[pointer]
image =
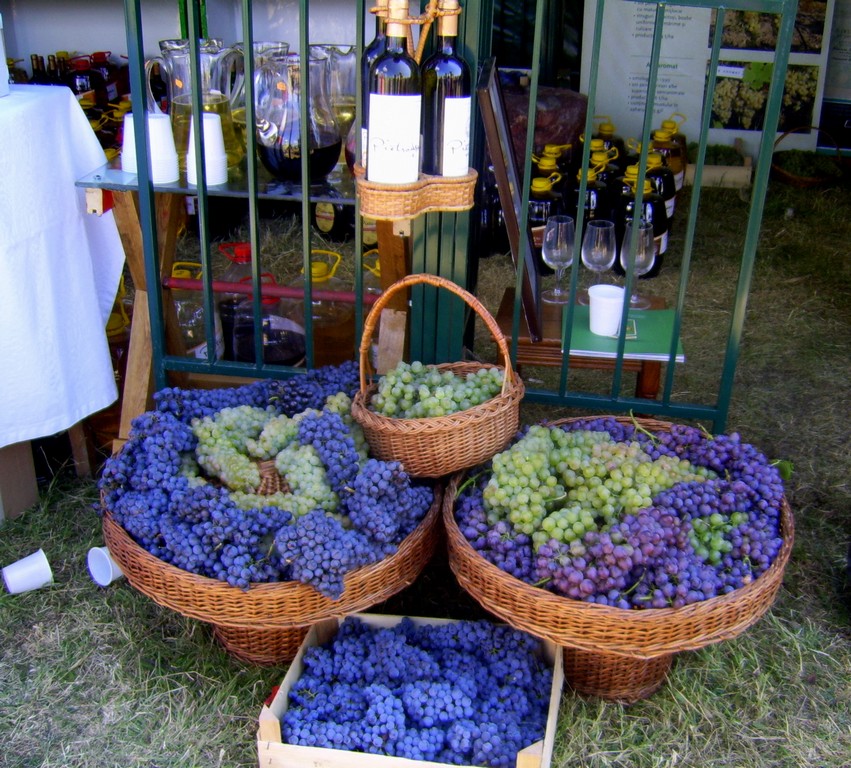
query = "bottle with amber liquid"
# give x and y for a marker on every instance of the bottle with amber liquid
(664, 143)
(545, 200)
(663, 181)
(446, 102)
(652, 210)
(597, 200)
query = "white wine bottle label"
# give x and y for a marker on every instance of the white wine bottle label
(670, 206)
(363, 146)
(394, 139)
(455, 160)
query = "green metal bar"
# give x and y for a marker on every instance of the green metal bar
(147, 208)
(526, 175)
(694, 203)
(360, 16)
(567, 315)
(765, 6)
(304, 112)
(449, 342)
(760, 186)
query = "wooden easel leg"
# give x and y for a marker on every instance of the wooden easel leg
(648, 380)
(394, 260)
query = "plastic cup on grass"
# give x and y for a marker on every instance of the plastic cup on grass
(103, 569)
(31, 572)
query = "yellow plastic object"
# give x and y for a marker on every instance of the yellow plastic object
(118, 321)
(322, 271)
(186, 270)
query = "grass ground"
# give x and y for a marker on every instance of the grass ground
(105, 677)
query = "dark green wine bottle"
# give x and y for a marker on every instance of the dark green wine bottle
(395, 106)
(446, 101)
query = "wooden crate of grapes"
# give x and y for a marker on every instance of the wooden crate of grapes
(193, 523)
(427, 706)
(640, 573)
(439, 445)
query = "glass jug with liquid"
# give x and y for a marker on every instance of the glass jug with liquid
(215, 64)
(263, 51)
(341, 74)
(278, 95)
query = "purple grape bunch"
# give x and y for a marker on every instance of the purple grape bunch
(154, 489)
(465, 693)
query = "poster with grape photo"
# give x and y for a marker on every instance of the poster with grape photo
(749, 40)
(757, 31)
(741, 95)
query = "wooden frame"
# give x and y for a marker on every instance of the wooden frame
(508, 181)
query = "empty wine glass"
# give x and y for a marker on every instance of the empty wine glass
(641, 254)
(557, 253)
(599, 248)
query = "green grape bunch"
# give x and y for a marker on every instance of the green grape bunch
(557, 484)
(418, 391)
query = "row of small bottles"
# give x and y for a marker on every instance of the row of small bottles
(611, 185)
(97, 76)
(414, 117)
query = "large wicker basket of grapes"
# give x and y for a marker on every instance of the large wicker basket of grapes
(626, 541)
(472, 410)
(262, 549)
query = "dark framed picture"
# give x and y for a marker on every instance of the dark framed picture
(509, 184)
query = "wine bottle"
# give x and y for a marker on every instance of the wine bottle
(39, 76)
(446, 102)
(370, 54)
(53, 76)
(395, 106)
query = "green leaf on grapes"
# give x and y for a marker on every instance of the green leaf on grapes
(785, 467)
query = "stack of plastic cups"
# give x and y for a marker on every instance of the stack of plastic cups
(163, 165)
(215, 156)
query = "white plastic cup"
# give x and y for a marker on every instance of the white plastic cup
(31, 572)
(128, 145)
(163, 156)
(103, 569)
(605, 308)
(215, 156)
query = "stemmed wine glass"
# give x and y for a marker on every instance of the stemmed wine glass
(599, 248)
(641, 254)
(557, 253)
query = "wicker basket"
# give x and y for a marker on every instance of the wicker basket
(613, 653)
(266, 623)
(394, 202)
(805, 182)
(438, 446)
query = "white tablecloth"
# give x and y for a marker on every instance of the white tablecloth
(59, 268)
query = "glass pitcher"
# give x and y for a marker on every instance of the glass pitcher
(278, 94)
(215, 64)
(263, 52)
(342, 82)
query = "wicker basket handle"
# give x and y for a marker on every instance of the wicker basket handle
(374, 316)
(807, 128)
